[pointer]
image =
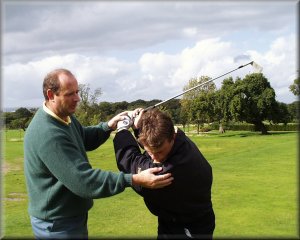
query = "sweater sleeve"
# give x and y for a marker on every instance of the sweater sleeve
(93, 136)
(69, 166)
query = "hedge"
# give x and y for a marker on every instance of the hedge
(245, 127)
(270, 127)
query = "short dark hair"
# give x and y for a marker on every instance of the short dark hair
(51, 81)
(155, 127)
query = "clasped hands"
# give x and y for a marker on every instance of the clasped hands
(125, 120)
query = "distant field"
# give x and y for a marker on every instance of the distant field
(255, 189)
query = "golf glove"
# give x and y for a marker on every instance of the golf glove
(126, 123)
(130, 114)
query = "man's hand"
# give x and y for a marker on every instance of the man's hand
(112, 123)
(139, 112)
(133, 114)
(124, 124)
(147, 178)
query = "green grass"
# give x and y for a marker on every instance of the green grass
(255, 189)
(255, 183)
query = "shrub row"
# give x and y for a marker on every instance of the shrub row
(245, 127)
(250, 127)
(283, 127)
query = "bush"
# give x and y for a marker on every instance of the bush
(283, 127)
(205, 129)
(250, 127)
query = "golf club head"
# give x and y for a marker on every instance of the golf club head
(257, 68)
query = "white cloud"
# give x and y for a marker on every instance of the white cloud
(144, 50)
(279, 64)
(155, 75)
(213, 58)
(190, 31)
(43, 29)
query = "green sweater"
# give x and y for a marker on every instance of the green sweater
(60, 180)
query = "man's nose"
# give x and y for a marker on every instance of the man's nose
(77, 98)
(155, 156)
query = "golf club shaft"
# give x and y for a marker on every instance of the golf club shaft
(160, 103)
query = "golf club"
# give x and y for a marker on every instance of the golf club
(256, 67)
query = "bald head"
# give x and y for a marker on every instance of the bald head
(52, 81)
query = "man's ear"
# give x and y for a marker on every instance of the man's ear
(50, 94)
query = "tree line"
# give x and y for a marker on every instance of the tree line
(249, 100)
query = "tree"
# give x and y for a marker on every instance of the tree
(294, 109)
(282, 114)
(138, 104)
(119, 107)
(253, 101)
(222, 101)
(183, 118)
(295, 87)
(87, 112)
(8, 118)
(172, 107)
(23, 113)
(106, 109)
(199, 102)
(86, 96)
(19, 119)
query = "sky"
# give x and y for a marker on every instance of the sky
(144, 49)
